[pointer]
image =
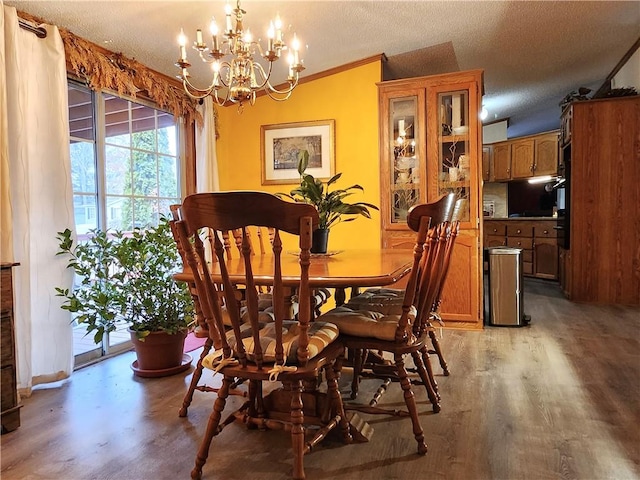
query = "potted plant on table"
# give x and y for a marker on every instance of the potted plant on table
(128, 278)
(330, 204)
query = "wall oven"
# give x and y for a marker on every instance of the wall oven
(563, 202)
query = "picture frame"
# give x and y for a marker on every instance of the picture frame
(280, 145)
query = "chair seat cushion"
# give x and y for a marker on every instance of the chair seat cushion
(383, 300)
(321, 334)
(366, 322)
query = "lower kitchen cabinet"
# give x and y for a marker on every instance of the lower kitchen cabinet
(536, 238)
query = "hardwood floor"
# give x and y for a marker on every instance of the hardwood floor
(559, 399)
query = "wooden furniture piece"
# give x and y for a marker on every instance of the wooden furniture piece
(523, 157)
(430, 145)
(293, 353)
(536, 237)
(382, 326)
(9, 392)
(600, 150)
(374, 297)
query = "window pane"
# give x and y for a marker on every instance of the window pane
(167, 141)
(81, 120)
(117, 170)
(145, 212)
(85, 209)
(164, 204)
(83, 167)
(117, 120)
(168, 176)
(119, 213)
(143, 127)
(145, 174)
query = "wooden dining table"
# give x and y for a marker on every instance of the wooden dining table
(350, 268)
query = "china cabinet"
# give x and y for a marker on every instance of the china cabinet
(430, 145)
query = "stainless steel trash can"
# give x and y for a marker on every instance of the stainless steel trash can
(506, 287)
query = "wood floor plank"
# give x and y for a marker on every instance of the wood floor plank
(559, 399)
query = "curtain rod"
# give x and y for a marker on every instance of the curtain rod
(40, 32)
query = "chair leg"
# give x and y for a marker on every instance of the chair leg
(410, 400)
(423, 366)
(358, 359)
(297, 430)
(333, 375)
(212, 428)
(195, 378)
(438, 351)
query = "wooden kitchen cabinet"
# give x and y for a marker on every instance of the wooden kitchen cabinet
(501, 161)
(601, 150)
(486, 164)
(525, 157)
(536, 237)
(430, 145)
(522, 159)
(546, 154)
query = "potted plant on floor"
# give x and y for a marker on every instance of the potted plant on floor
(127, 277)
(330, 204)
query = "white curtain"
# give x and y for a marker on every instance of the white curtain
(206, 160)
(34, 85)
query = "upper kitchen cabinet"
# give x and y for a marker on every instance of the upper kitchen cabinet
(525, 157)
(430, 145)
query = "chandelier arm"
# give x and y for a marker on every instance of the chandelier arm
(264, 75)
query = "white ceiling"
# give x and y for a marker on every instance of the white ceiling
(533, 52)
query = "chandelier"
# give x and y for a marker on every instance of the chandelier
(237, 76)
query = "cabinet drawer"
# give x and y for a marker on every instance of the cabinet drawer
(545, 231)
(495, 241)
(520, 231)
(494, 228)
(6, 290)
(8, 396)
(6, 345)
(520, 242)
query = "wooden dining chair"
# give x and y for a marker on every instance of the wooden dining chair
(201, 328)
(382, 328)
(391, 301)
(291, 354)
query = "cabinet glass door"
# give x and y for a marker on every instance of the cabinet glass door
(454, 156)
(405, 171)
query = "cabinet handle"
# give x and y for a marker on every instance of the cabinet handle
(546, 232)
(519, 231)
(519, 243)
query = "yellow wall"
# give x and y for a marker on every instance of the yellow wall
(351, 99)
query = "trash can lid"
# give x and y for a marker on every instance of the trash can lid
(504, 251)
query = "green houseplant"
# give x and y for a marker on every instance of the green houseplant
(128, 277)
(329, 203)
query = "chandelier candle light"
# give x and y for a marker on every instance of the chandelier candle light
(239, 78)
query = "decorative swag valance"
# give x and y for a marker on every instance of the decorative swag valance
(101, 68)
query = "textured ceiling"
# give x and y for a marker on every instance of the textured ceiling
(533, 53)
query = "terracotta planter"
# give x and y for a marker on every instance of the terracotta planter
(160, 354)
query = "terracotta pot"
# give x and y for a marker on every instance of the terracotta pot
(159, 350)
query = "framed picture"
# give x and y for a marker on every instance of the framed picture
(282, 144)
